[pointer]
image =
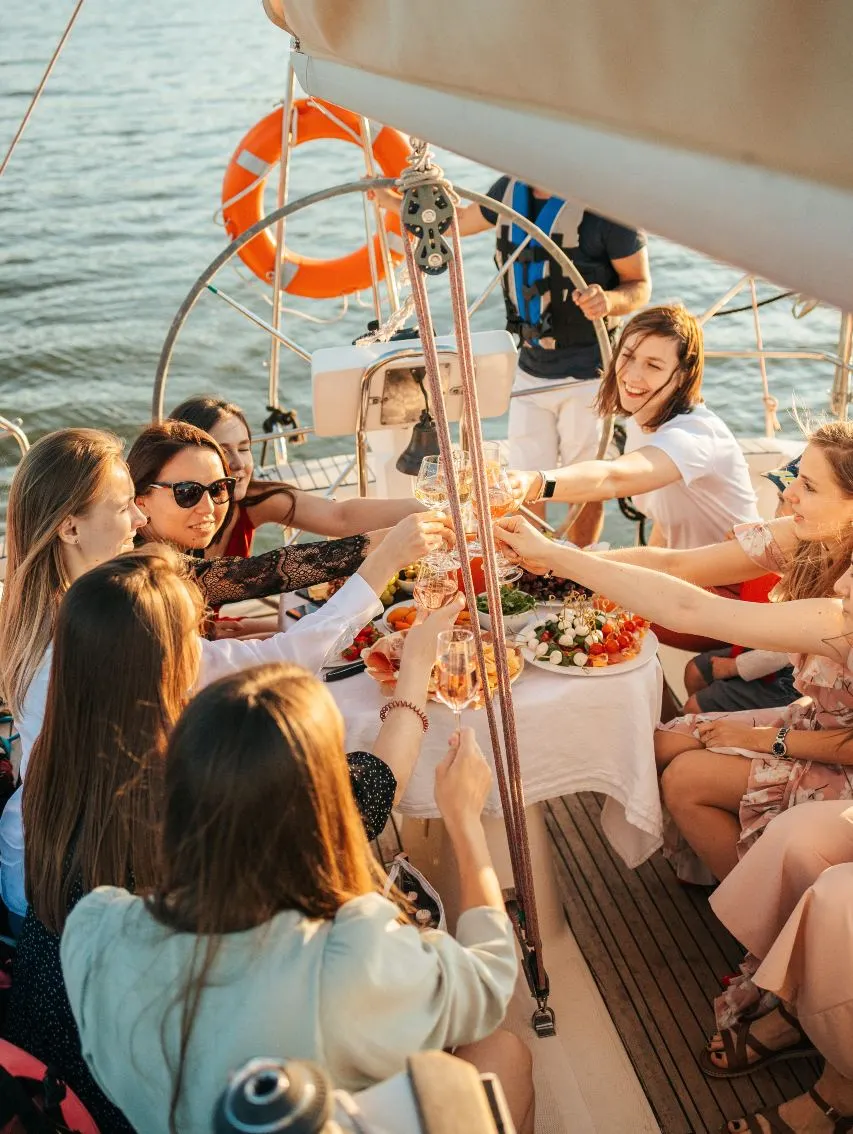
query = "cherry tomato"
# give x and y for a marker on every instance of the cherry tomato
(596, 648)
(545, 636)
(608, 628)
(624, 641)
(629, 625)
(611, 645)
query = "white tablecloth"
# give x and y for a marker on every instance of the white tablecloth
(575, 734)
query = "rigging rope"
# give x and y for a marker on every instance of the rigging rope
(40, 88)
(423, 171)
(748, 306)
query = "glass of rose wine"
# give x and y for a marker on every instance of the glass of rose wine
(502, 501)
(435, 586)
(431, 489)
(458, 682)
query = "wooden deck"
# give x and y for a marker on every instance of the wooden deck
(657, 954)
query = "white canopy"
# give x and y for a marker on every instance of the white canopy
(724, 126)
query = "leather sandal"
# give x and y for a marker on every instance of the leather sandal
(770, 1114)
(737, 1042)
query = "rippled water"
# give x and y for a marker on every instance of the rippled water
(106, 218)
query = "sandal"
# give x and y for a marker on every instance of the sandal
(737, 1042)
(778, 1125)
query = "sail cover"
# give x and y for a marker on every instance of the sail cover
(725, 126)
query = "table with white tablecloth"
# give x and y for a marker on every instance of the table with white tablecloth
(575, 733)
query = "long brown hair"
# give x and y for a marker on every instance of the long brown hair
(205, 412)
(669, 321)
(816, 565)
(124, 657)
(157, 444)
(62, 475)
(259, 818)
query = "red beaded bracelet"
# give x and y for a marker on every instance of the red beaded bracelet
(398, 704)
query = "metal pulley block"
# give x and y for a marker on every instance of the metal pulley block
(427, 212)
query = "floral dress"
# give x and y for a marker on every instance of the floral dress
(776, 782)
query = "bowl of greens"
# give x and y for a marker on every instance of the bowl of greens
(517, 609)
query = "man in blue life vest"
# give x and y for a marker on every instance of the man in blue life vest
(553, 322)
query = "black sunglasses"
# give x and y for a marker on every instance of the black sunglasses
(187, 493)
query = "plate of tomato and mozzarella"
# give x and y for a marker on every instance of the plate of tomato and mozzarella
(564, 643)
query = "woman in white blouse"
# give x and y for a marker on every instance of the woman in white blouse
(71, 507)
(267, 932)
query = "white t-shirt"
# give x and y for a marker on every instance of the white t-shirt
(358, 994)
(714, 492)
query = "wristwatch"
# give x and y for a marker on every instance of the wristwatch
(779, 747)
(549, 484)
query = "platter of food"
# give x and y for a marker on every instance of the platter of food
(401, 617)
(320, 592)
(368, 636)
(588, 642)
(382, 661)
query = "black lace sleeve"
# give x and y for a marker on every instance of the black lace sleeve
(230, 578)
(373, 785)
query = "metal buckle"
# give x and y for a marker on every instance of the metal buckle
(544, 1022)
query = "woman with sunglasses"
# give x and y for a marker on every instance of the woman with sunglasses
(184, 491)
(258, 502)
(92, 798)
(71, 507)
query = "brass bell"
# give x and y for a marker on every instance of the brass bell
(423, 443)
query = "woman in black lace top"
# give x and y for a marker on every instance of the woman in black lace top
(182, 486)
(258, 502)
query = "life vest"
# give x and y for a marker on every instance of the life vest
(538, 296)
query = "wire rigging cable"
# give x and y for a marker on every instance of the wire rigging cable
(40, 88)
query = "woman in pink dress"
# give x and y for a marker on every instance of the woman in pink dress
(725, 775)
(790, 901)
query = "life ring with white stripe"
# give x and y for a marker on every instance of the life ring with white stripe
(243, 200)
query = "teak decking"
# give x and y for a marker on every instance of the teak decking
(657, 953)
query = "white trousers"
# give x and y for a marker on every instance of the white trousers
(554, 428)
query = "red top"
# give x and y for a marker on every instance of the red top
(242, 534)
(755, 590)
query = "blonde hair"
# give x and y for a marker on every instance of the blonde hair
(62, 475)
(817, 565)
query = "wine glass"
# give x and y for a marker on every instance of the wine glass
(435, 586)
(458, 682)
(431, 486)
(501, 502)
(431, 489)
(493, 457)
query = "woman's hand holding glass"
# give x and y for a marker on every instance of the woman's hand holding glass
(521, 543)
(419, 535)
(462, 782)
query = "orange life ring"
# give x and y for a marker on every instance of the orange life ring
(242, 206)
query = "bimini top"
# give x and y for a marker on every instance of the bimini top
(723, 126)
